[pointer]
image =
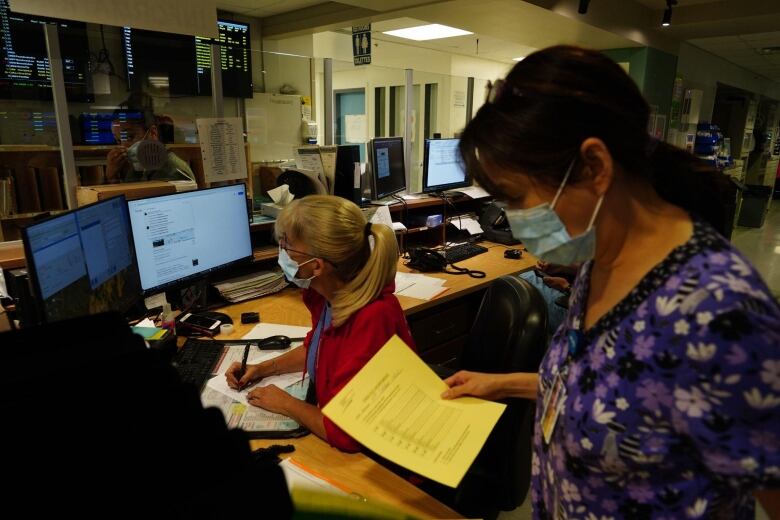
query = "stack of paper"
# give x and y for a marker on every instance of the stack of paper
(418, 286)
(251, 286)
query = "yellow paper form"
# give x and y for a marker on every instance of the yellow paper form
(393, 407)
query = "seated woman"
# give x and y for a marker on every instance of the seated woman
(347, 268)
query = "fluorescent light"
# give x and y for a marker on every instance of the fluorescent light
(777, 250)
(433, 31)
(521, 58)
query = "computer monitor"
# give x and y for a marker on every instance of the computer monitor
(82, 262)
(443, 167)
(387, 166)
(96, 127)
(187, 235)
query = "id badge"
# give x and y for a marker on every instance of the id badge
(553, 404)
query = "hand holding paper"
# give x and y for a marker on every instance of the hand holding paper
(393, 406)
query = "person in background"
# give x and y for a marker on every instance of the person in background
(659, 396)
(141, 154)
(346, 267)
(554, 284)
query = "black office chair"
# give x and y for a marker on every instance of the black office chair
(509, 335)
(96, 424)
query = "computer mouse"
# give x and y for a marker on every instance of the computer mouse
(513, 253)
(274, 343)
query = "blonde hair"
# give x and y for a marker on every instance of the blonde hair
(334, 229)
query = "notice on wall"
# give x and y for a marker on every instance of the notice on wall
(459, 98)
(222, 145)
(356, 128)
(257, 125)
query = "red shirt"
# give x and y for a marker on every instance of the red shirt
(344, 350)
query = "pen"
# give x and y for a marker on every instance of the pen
(243, 364)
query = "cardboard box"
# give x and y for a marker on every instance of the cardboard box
(132, 190)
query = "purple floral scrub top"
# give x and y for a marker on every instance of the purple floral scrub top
(673, 397)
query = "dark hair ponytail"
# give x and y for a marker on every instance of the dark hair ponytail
(688, 182)
(555, 99)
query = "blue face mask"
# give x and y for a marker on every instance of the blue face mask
(290, 269)
(545, 236)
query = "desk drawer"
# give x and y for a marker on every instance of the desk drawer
(440, 325)
(446, 355)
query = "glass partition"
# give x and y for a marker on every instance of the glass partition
(30, 162)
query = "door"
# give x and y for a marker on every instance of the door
(350, 105)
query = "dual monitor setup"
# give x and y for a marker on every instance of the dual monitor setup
(442, 168)
(108, 255)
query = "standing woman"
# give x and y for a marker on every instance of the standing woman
(660, 394)
(347, 268)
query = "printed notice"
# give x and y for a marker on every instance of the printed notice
(393, 406)
(222, 146)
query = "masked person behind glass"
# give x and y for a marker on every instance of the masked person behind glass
(346, 267)
(659, 396)
(141, 154)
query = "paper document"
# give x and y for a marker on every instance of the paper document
(469, 224)
(356, 128)
(475, 192)
(308, 158)
(378, 215)
(418, 286)
(393, 407)
(219, 383)
(222, 146)
(298, 476)
(251, 418)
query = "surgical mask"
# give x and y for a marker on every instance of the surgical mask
(147, 154)
(290, 269)
(545, 236)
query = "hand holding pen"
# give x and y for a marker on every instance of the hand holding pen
(243, 366)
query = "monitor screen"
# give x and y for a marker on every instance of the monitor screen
(82, 262)
(96, 126)
(24, 61)
(387, 161)
(185, 235)
(184, 62)
(443, 167)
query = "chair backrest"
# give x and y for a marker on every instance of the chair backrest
(509, 335)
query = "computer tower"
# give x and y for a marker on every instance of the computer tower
(347, 156)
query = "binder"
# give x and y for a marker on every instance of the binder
(28, 198)
(50, 188)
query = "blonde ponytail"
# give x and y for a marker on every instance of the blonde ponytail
(334, 229)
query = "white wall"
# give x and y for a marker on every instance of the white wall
(702, 70)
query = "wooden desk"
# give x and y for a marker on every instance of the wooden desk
(357, 472)
(360, 474)
(287, 306)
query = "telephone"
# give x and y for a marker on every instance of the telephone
(495, 225)
(426, 260)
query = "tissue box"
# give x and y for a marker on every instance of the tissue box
(270, 209)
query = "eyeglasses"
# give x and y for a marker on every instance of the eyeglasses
(283, 245)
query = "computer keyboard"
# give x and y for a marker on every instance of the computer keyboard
(197, 359)
(460, 252)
